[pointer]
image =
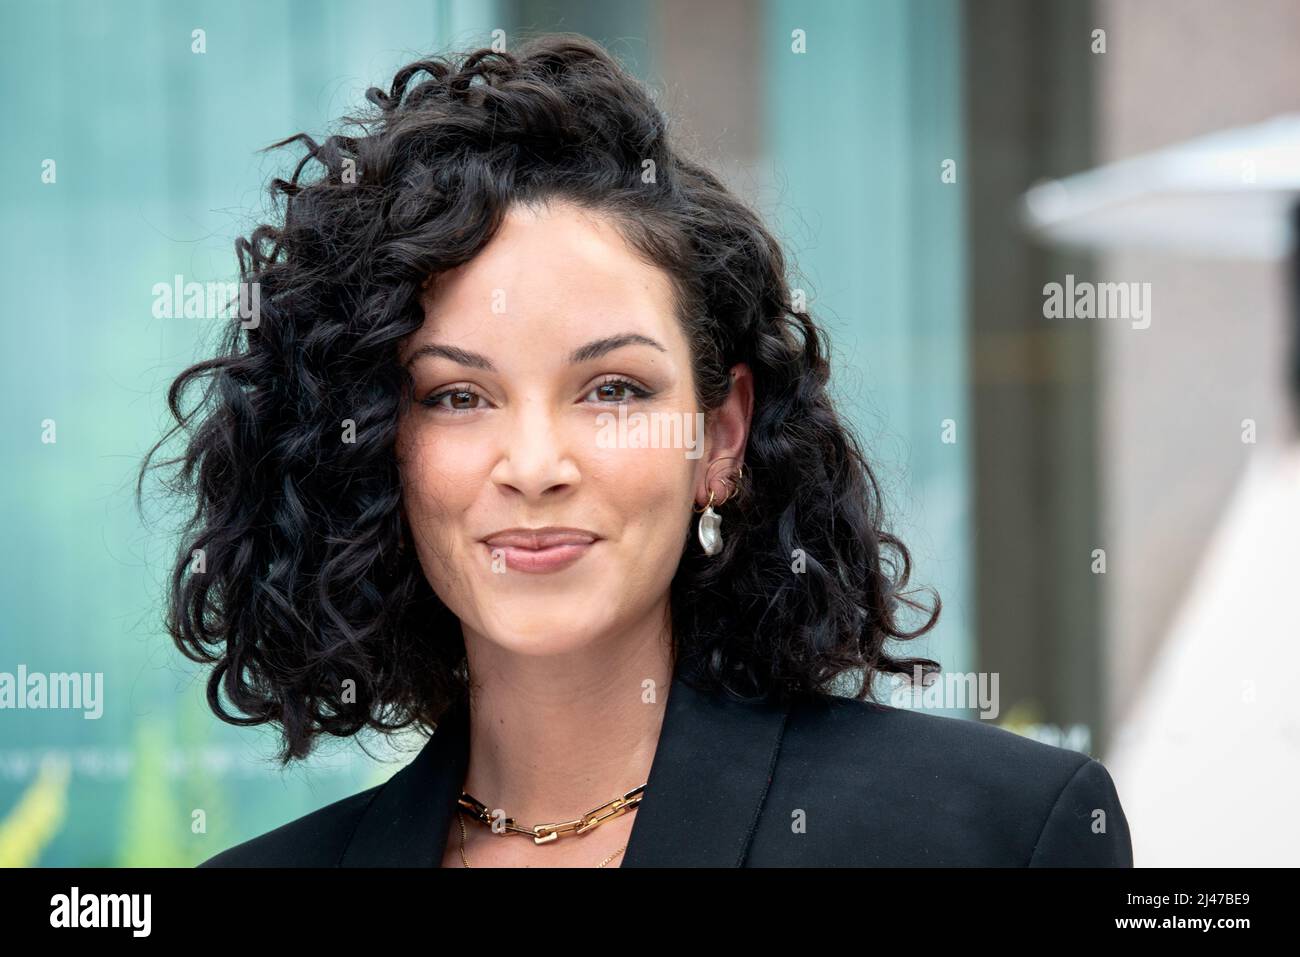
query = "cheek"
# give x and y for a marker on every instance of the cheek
(439, 477)
(651, 489)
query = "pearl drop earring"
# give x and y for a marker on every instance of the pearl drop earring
(710, 529)
(710, 526)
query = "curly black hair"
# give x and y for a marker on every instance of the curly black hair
(309, 600)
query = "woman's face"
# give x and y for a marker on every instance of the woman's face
(555, 322)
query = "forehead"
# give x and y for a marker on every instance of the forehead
(559, 270)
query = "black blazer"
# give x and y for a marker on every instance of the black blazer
(826, 782)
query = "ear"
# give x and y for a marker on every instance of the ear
(726, 435)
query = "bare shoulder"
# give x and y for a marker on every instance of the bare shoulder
(317, 839)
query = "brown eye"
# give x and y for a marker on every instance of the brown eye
(461, 400)
(615, 391)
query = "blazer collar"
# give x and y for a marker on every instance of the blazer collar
(709, 777)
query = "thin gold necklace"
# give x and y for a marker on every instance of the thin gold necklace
(545, 833)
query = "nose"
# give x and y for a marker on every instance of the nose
(535, 457)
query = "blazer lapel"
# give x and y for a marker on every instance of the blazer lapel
(708, 779)
(406, 824)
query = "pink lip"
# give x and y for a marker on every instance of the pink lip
(540, 550)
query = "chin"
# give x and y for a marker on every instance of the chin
(544, 631)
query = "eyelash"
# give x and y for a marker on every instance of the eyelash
(637, 392)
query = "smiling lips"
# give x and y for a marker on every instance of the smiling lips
(540, 549)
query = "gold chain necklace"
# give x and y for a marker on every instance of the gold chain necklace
(465, 859)
(545, 833)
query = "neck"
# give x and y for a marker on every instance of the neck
(554, 736)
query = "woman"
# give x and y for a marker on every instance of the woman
(530, 442)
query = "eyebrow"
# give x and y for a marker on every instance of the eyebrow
(592, 350)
